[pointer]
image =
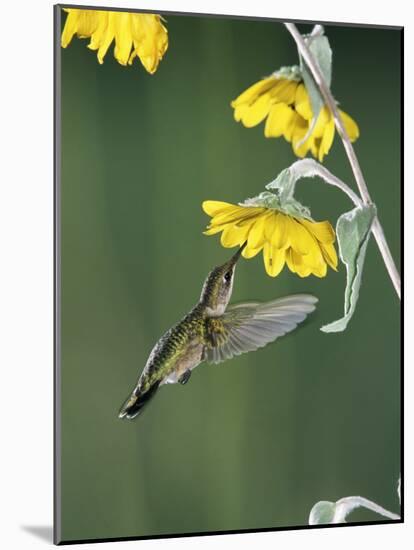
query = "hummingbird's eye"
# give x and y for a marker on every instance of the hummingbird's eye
(227, 276)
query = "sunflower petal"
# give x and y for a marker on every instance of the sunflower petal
(291, 125)
(270, 226)
(257, 111)
(253, 92)
(302, 103)
(237, 214)
(144, 34)
(301, 148)
(300, 239)
(233, 235)
(296, 265)
(233, 214)
(250, 252)
(290, 260)
(274, 260)
(81, 22)
(150, 39)
(284, 91)
(323, 231)
(279, 120)
(327, 139)
(257, 232)
(351, 126)
(321, 270)
(330, 255)
(239, 111)
(314, 258)
(107, 37)
(98, 33)
(213, 229)
(71, 27)
(316, 143)
(123, 37)
(322, 120)
(212, 208)
(299, 131)
(311, 263)
(281, 238)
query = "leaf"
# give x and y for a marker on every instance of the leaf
(284, 186)
(322, 512)
(285, 182)
(337, 512)
(352, 230)
(318, 45)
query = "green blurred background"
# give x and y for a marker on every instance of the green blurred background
(255, 442)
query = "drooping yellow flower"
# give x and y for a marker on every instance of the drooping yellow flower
(136, 35)
(306, 246)
(286, 104)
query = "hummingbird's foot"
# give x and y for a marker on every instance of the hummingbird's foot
(184, 378)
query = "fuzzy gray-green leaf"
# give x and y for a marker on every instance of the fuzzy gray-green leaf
(321, 50)
(323, 512)
(284, 187)
(337, 512)
(352, 231)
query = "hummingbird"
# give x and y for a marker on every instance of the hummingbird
(214, 332)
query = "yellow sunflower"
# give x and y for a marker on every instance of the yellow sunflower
(136, 35)
(306, 246)
(286, 104)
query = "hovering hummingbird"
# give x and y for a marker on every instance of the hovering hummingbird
(213, 332)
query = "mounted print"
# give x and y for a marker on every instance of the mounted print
(228, 251)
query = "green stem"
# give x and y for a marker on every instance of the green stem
(377, 229)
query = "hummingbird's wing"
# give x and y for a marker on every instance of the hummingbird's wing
(249, 326)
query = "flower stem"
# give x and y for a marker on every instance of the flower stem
(377, 229)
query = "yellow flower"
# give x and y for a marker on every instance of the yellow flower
(304, 245)
(285, 102)
(136, 35)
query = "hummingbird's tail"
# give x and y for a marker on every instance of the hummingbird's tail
(135, 403)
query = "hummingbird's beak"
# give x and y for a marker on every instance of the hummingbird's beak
(236, 256)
